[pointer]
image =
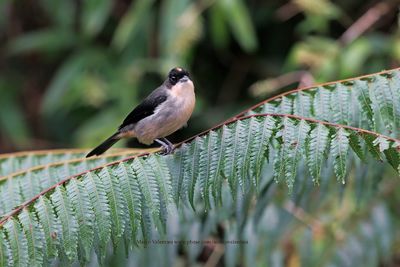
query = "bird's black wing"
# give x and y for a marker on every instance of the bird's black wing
(146, 108)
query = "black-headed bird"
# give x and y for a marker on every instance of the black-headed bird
(164, 111)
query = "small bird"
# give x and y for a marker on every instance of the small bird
(164, 111)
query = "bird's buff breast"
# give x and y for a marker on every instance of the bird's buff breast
(170, 116)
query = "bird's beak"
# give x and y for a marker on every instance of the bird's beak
(184, 79)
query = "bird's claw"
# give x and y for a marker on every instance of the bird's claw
(167, 150)
(168, 147)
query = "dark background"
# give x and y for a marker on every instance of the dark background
(70, 71)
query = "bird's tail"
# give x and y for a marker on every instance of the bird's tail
(103, 147)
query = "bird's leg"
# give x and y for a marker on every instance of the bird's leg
(166, 145)
(171, 146)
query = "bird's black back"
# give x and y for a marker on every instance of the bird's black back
(146, 108)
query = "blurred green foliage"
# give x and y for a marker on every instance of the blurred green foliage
(71, 70)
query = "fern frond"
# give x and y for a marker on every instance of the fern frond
(18, 187)
(370, 102)
(13, 162)
(102, 201)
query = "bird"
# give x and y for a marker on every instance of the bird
(161, 113)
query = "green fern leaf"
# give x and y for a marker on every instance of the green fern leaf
(302, 104)
(83, 208)
(130, 189)
(253, 137)
(321, 103)
(296, 145)
(372, 148)
(187, 172)
(286, 105)
(392, 155)
(390, 149)
(98, 200)
(283, 154)
(148, 187)
(163, 178)
(340, 147)
(385, 101)
(354, 141)
(210, 159)
(196, 150)
(234, 143)
(177, 167)
(68, 222)
(365, 102)
(394, 83)
(340, 112)
(18, 242)
(35, 236)
(242, 143)
(116, 202)
(51, 228)
(260, 151)
(5, 251)
(318, 143)
(217, 178)
(268, 108)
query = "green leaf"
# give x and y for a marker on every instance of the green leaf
(372, 148)
(130, 189)
(339, 148)
(193, 174)
(131, 22)
(210, 163)
(259, 149)
(98, 199)
(302, 104)
(240, 23)
(354, 141)
(5, 251)
(116, 202)
(18, 242)
(50, 40)
(365, 102)
(318, 142)
(51, 227)
(68, 222)
(340, 112)
(149, 189)
(83, 208)
(218, 26)
(35, 236)
(322, 105)
(95, 15)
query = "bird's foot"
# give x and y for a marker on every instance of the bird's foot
(168, 147)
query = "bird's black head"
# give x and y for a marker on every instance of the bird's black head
(178, 75)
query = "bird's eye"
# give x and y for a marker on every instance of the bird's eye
(173, 79)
